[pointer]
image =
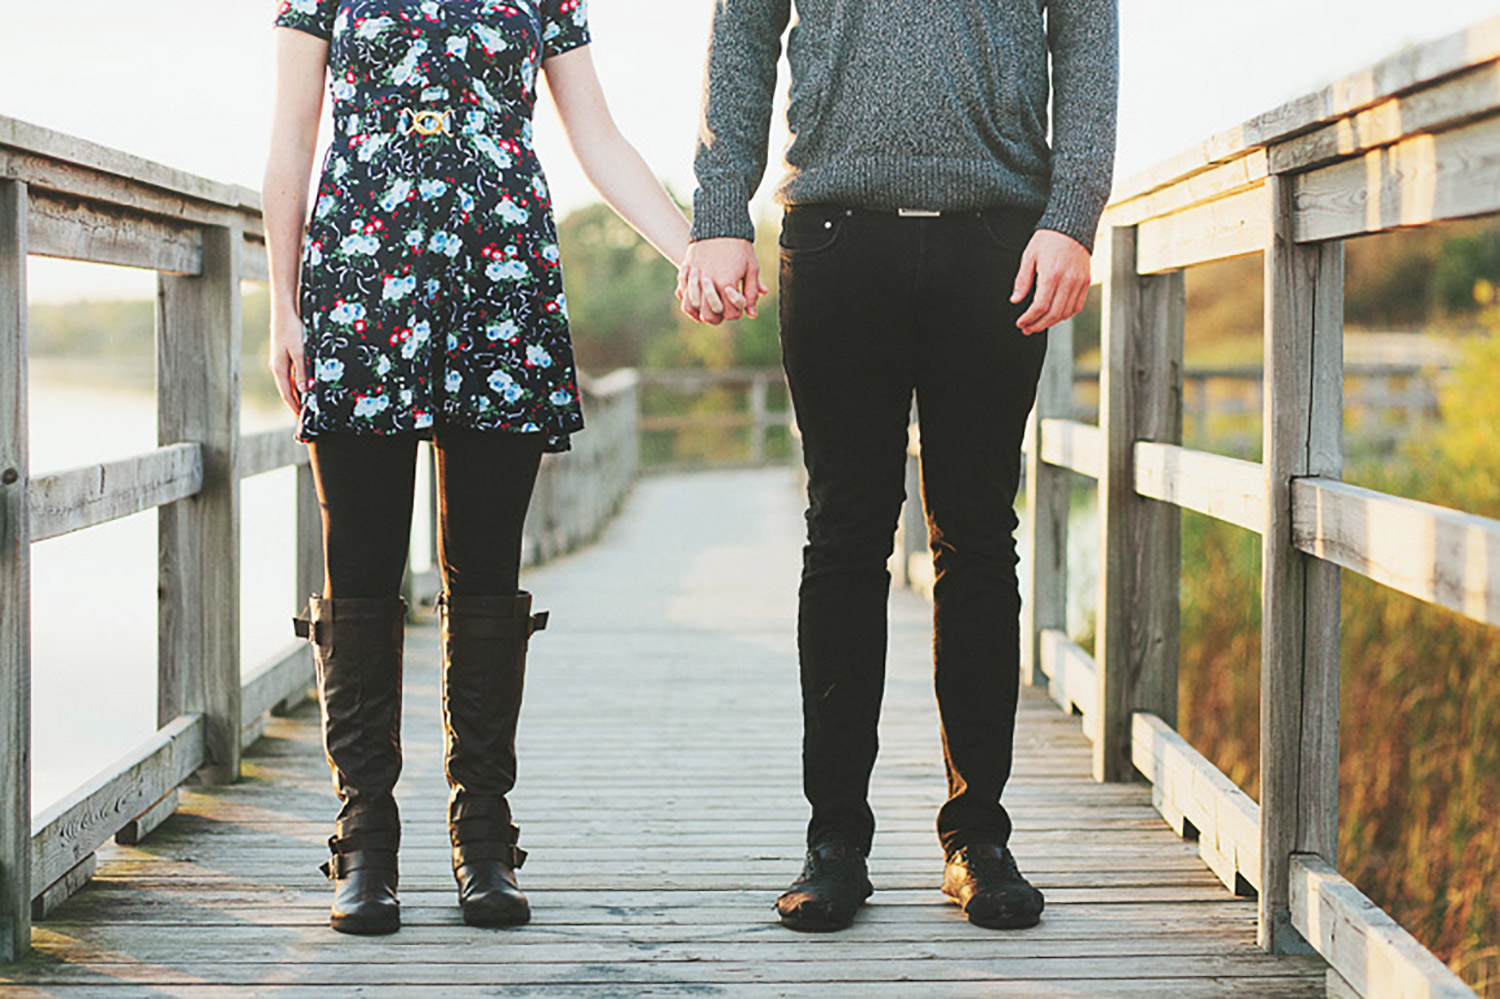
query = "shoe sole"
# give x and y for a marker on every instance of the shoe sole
(365, 927)
(814, 924)
(1000, 921)
(1014, 921)
(496, 920)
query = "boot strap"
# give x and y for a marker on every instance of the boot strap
(341, 865)
(349, 837)
(305, 626)
(497, 627)
(509, 853)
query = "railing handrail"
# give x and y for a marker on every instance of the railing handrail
(67, 197)
(1411, 68)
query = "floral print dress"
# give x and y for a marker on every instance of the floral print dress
(431, 281)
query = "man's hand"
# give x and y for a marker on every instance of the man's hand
(1059, 265)
(720, 279)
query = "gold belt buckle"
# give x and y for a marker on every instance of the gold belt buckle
(429, 122)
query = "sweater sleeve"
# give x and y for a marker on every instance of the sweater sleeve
(734, 131)
(1083, 36)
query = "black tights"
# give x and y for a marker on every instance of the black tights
(366, 485)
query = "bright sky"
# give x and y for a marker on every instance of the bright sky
(186, 82)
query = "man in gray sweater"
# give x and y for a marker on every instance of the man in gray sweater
(932, 235)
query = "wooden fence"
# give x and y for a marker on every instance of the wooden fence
(64, 197)
(1411, 141)
(1385, 403)
(751, 415)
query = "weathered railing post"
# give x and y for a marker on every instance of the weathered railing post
(198, 400)
(1047, 492)
(760, 387)
(15, 584)
(1299, 678)
(1140, 398)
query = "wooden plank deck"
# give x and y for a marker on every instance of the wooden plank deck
(660, 799)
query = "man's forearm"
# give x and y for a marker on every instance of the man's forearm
(739, 90)
(1084, 39)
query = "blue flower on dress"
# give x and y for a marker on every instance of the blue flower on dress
(406, 71)
(360, 243)
(502, 382)
(561, 397)
(510, 270)
(397, 288)
(503, 331)
(373, 26)
(511, 212)
(432, 188)
(453, 381)
(395, 195)
(330, 369)
(492, 41)
(537, 356)
(371, 405)
(458, 46)
(346, 313)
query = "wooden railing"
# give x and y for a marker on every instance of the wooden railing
(757, 419)
(1384, 403)
(1411, 141)
(64, 197)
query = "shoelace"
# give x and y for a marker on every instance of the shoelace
(1002, 867)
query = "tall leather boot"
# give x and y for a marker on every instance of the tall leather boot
(357, 646)
(484, 666)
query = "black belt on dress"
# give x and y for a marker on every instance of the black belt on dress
(426, 121)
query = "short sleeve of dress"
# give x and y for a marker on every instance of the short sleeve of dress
(312, 16)
(565, 26)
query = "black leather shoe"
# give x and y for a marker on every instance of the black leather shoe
(487, 889)
(984, 880)
(833, 885)
(364, 886)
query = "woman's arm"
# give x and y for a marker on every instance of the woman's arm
(608, 159)
(301, 63)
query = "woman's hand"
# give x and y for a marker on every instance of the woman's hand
(301, 62)
(286, 357)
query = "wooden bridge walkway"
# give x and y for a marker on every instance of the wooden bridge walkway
(660, 798)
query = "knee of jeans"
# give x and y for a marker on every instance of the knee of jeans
(849, 543)
(994, 549)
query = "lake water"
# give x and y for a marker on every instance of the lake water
(93, 593)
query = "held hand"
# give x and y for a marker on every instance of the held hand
(286, 358)
(1059, 266)
(719, 280)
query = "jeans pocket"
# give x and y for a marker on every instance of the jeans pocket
(807, 230)
(1006, 232)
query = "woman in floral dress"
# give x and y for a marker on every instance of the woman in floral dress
(423, 298)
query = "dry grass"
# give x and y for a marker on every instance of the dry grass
(1419, 774)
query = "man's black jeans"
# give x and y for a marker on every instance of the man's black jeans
(876, 307)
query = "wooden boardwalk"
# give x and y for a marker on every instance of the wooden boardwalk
(660, 800)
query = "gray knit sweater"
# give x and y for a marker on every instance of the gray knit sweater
(935, 104)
